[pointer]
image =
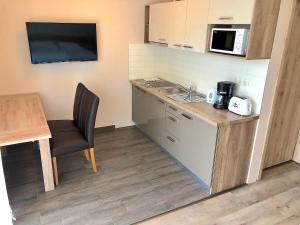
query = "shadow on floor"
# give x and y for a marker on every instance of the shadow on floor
(136, 180)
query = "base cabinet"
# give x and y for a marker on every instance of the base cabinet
(139, 107)
(188, 139)
(197, 144)
(218, 155)
(148, 113)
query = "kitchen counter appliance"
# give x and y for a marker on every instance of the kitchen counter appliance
(225, 92)
(240, 105)
(229, 41)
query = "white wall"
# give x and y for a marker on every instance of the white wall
(202, 70)
(119, 23)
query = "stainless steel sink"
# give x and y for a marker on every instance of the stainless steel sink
(185, 98)
(158, 84)
(173, 90)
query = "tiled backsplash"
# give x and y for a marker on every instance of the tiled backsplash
(201, 70)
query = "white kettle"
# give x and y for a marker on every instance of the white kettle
(211, 96)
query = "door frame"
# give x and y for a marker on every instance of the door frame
(296, 157)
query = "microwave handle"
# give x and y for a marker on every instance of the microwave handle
(226, 18)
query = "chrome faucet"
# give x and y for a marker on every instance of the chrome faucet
(189, 96)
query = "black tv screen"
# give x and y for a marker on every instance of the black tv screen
(62, 42)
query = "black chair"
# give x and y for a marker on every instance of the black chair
(70, 141)
(57, 126)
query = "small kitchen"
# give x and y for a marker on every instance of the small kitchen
(150, 112)
(198, 83)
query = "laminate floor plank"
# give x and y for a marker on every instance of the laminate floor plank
(136, 180)
(273, 200)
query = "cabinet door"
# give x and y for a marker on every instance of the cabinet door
(140, 106)
(196, 25)
(159, 22)
(137, 109)
(231, 12)
(177, 23)
(156, 119)
(197, 146)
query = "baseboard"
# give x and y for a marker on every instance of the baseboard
(105, 129)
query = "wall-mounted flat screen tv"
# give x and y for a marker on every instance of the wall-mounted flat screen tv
(62, 42)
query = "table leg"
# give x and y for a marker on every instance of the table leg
(46, 164)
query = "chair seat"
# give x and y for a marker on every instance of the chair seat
(57, 126)
(67, 142)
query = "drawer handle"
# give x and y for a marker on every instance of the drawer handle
(161, 101)
(226, 18)
(162, 39)
(172, 119)
(177, 45)
(188, 46)
(171, 139)
(186, 116)
(174, 109)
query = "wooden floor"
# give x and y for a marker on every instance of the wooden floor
(136, 181)
(274, 200)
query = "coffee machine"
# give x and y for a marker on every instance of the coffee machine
(224, 92)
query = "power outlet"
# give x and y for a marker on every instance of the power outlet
(242, 82)
(246, 82)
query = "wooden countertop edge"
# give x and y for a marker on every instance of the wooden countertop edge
(198, 114)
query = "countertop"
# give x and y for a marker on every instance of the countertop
(201, 110)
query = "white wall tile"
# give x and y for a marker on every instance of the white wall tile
(202, 70)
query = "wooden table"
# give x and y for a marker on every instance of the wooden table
(22, 119)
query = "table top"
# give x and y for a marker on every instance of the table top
(22, 119)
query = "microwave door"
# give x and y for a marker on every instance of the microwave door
(223, 41)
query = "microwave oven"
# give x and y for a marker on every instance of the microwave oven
(229, 41)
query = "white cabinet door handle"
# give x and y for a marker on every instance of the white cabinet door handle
(226, 18)
(188, 46)
(162, 39)
(187, 117)
(170, 139)
(177, 45)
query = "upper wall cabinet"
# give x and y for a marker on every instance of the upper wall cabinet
(231, 11)
(180, 24)
(187, 24)
(159, 22)
(196, 25)
(263, 28)
(177, 22)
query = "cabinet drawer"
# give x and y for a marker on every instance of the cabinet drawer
(173, 110)
(172, 145)
(172, 124)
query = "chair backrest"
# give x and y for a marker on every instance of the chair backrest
(88, 112)
(77, 101)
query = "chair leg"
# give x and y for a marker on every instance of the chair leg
(54, 160)
(94, 166)
(3, 151)
(87, 154)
